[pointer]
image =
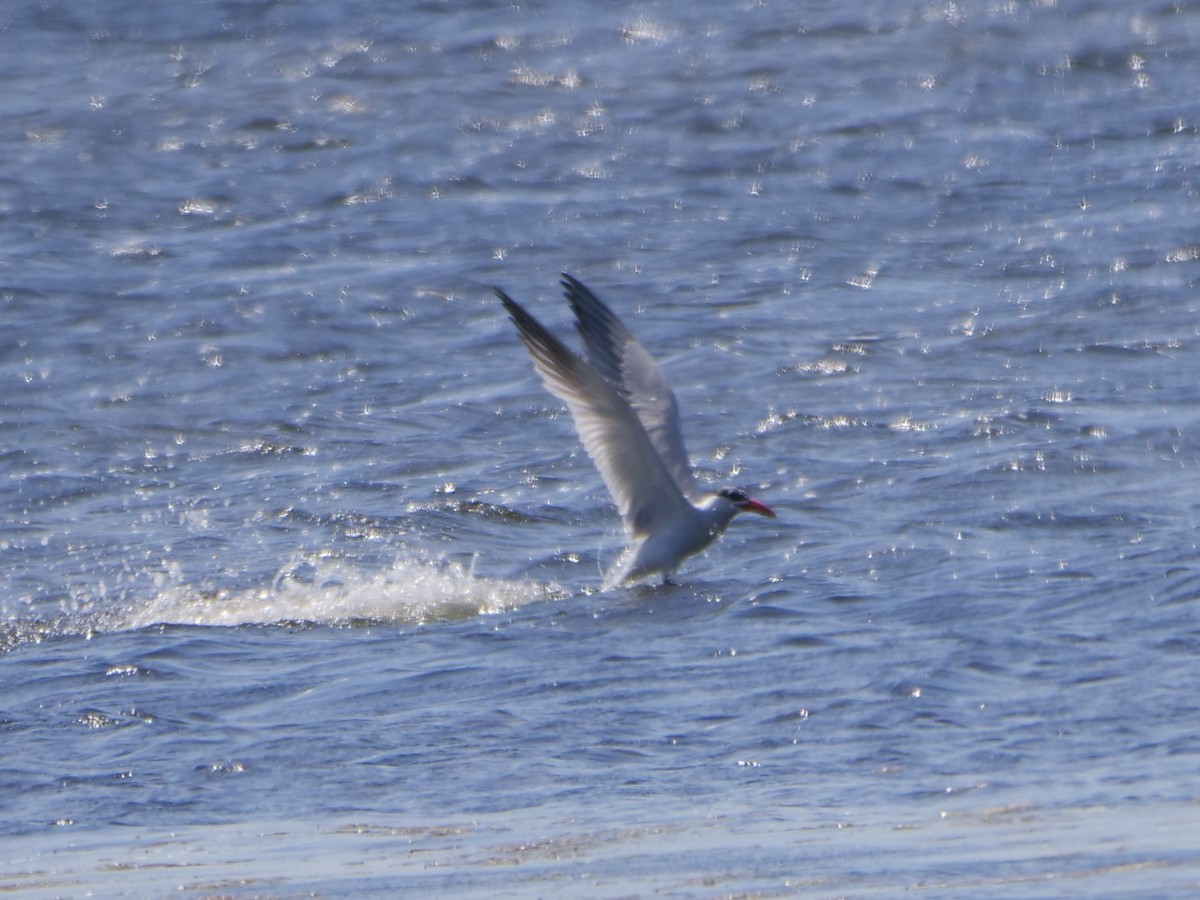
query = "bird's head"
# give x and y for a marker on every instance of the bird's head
(745, 503)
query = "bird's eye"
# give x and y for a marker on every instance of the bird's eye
(733, 495)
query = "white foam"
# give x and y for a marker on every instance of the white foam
(337, 591)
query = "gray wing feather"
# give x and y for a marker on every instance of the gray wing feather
(615, 353)
(612, 433)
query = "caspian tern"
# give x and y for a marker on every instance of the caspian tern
(628, 420)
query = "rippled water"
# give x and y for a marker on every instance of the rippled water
(300, 563)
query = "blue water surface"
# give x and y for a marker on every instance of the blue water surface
(299, 564)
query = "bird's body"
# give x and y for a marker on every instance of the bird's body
(663, 550)
(627, 417)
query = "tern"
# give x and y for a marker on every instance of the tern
(628, 420)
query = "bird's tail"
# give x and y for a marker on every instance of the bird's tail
(620, 569)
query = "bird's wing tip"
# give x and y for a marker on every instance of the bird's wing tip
(512, 306)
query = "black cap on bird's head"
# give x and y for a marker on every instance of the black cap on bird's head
(745, 503)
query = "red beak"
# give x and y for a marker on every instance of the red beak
(761, 508)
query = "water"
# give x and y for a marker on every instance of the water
(300, 562)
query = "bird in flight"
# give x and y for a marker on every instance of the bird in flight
(628, 420)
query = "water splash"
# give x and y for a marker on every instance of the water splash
(336, 592)
(311, 589)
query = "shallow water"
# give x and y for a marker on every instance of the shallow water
(300, 565)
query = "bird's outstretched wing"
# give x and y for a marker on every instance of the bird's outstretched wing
(615, 353)
(645, 492)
